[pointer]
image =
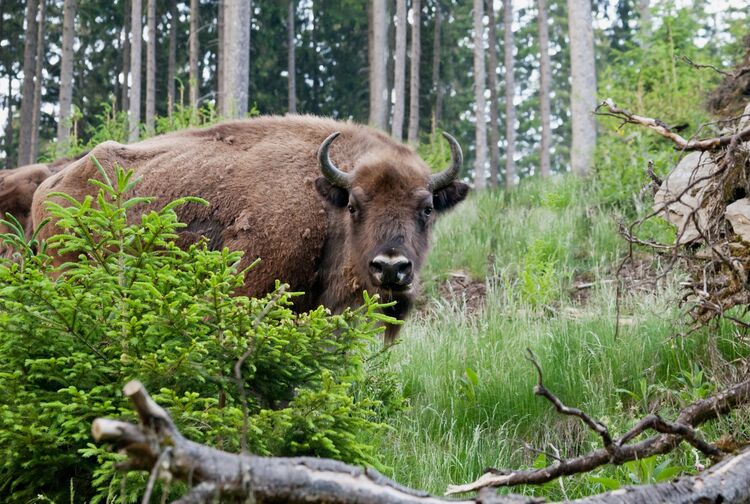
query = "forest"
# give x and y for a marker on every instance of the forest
(577, 331)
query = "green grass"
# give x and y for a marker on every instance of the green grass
(469, 387)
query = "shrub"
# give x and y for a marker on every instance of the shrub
(134, 305)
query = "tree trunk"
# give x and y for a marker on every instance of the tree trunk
(291, 68)
(544, 90)
(125, 101)
(38, 83)
(236, 57)
(194, 79)
(416, 57)
(151, 66)
(399, 72)
(644, 11)
(436, 84)
(27, 92)
(135, 70)
(510, 92)
(492, 82)
(171, 63)
(220, 56)
(582, 86)
(9, 124)
(66, 78)
(479, 87)
(377, 57)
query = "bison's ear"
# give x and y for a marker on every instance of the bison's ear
(336, 196)
(449, 196)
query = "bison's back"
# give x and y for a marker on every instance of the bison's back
(258, 176)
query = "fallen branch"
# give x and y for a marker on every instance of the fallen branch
(664, 130)
(157, 446)
(617, 452)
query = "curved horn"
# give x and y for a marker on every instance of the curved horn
(445, 177)
(335, 176)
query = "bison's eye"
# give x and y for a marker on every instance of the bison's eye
(427, 211)
(351, 208)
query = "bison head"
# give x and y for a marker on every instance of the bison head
(386, 206)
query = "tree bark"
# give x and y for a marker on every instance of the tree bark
(236, 57)
(377, 60)
(156, 444)
(135, 69)
(193, 78)
(582, 86)
(399, 72)
(171, 62)
(66, 78)
(416, 59)
(220, 56)
(9, 124)
(479, 87)
(27, 92)
(151, 67)
(436, 83)
(38, 81)
(291, 67)
(545, 76)
(644, 11)
(510, 92)
(492, 82)
(125, 101)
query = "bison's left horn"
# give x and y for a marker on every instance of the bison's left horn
(335, 176)
(445, 177)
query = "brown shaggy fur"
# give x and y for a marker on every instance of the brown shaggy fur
(268, 199)
(17, 188)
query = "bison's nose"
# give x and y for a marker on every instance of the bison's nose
(391, 271)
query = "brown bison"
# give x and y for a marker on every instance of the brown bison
(332, 208)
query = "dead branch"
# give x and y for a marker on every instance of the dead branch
(617, 452)
(732, 75)
(664, 130)
(157, 446)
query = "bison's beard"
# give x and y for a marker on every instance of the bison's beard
(404, 302)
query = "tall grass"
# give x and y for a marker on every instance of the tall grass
(469, 387)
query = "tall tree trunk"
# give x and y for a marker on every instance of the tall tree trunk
(125, 101)
(545, 76)
(135, 70)
(27, 92)
(9, 124)
(582, 86)
(220, 70)
(151, 67)
(644, 11)
(492, 82)
(479, 87)
(38, 83)
(437, 85)
(236, 57)
(399, 72)
(510, 92)
(291, 67)
(377, 59)
(194, 79)
(66, 78)
(416, 58)
(171, 63)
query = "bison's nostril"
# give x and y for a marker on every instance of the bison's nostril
(376, 267)
(389, 271)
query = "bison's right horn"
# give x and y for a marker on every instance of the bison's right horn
(445, 177)
(335, 176)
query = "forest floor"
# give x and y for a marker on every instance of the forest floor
(536, 268)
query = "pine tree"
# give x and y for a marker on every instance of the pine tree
(38, 83)
(479, 88)
(291, 68)
(583, 86)
(151, 66)
(136, 31)
(27, 93)
(492, 82)
(544, 90)
(378, 49)
(66, 77)
(172, 57)
(194, 78)
(437, 86)
(399, 72)
(416, 58)
(510, 93)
